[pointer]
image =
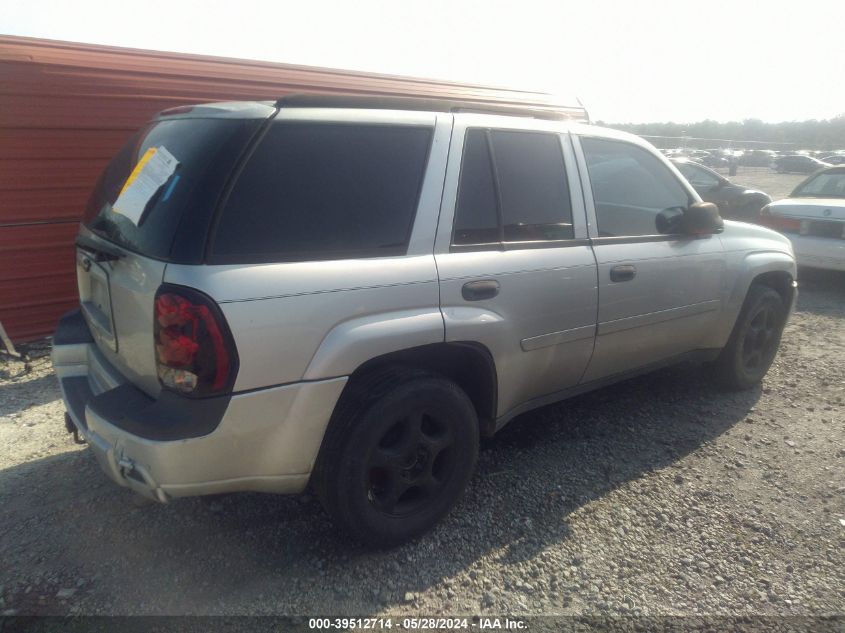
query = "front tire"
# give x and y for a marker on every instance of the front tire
(754, 341)
(399, 452)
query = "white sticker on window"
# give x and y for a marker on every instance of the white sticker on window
(153, 170)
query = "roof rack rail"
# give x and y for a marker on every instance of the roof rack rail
(366, 102)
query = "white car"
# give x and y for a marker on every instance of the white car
(813, 218)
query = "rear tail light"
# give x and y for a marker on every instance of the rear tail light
(195, 353)
(778, 222)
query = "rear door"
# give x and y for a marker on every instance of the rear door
(517, 273)
(130, 235)
(659, 291)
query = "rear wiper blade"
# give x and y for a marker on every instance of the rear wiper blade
(101, 252)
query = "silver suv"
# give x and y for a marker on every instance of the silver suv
(347, 295)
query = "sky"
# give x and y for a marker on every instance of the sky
(628, 62)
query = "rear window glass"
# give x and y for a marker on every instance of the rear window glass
(324, 191)
(524, 178)
(476, 217)
(206, 150)
(829, 184)
(532, 185)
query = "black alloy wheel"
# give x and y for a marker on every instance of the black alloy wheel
(399, 451)
(761, 337)
(411, 463)
(755, 339)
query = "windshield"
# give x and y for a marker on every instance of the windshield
(829, 184)
(147, 216)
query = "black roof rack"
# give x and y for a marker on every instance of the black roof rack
(553, 112)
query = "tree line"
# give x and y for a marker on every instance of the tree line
(825, 134)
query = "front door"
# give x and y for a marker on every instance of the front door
(659, 291)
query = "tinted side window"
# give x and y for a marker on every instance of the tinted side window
(634, 193)
(476, 215)
(532, 186)
(324, 191)
(518, 193)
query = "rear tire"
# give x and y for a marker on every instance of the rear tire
(754, 341)
(398, 454)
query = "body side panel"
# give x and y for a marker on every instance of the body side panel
(279, 330)
(540, 327)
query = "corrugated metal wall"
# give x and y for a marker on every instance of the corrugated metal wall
(66, 108)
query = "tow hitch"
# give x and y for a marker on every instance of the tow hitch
(71, 428)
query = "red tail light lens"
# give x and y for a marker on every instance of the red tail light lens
(195, 353)
(778, 222)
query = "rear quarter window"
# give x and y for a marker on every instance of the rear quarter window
(321, 191)
(176, 219)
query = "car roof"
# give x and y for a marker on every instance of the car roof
(262, 109)
(574, 112)
(575, 118)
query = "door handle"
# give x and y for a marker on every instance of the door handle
(478, 290)
(624, 272)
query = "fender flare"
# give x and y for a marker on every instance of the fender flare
(351, 343)
(752, 266)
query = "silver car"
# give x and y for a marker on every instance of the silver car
(347, 296)
(813, 218)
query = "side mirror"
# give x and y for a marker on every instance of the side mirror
(702, 218)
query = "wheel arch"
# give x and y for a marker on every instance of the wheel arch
(780, 281)
(752, 198)
(774, 269)
(468, 364)
(771, 268)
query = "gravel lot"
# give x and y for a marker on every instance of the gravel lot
(659, 496)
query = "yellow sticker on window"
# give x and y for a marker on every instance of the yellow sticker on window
(144, 160)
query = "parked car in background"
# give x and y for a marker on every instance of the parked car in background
(835, 159)
(798, 163)
(715, 159)
(813, 218)
(734, 201)
(711, 158)
(758, 158)
(383, 283)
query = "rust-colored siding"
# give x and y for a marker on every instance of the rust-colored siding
(66, 108)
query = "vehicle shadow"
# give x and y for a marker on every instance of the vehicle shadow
(821, 291)
(263, 554)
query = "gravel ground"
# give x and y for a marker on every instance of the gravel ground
(659, 496)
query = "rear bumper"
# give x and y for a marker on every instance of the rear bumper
(819, 252)
(265, 440)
